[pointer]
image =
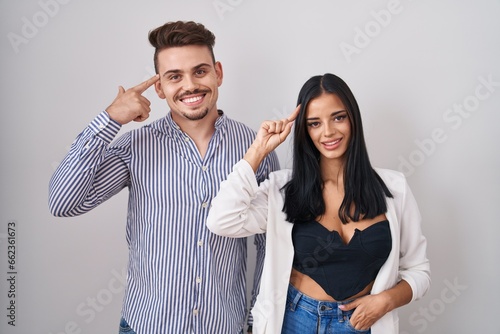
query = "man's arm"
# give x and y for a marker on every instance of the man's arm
(91, 172)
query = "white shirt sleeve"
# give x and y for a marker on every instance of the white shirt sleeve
(240, 207)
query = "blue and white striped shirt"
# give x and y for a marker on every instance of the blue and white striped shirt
(181, 277)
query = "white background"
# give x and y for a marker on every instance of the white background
(418, 69)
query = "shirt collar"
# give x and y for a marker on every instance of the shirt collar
(172, 127)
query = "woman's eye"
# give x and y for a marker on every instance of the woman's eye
(313, 124)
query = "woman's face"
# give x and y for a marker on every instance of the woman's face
(328, 126)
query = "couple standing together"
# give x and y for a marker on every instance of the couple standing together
(339, 243)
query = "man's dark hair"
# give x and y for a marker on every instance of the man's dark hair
(180, 33)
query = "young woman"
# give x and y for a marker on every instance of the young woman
(344, 243)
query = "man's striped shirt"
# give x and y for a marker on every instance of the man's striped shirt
(181, 277)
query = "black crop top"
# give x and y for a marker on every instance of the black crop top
(342, 270)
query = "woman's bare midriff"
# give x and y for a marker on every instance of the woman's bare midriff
(309, 287)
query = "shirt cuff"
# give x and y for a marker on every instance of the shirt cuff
(104, 127)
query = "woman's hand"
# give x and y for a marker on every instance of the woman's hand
(368, 310)
(270, 135)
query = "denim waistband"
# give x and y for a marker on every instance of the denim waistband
(322, 308)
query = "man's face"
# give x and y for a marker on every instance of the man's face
(189, 81)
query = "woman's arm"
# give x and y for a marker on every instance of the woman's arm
(240, 207)
(371, 308)
(414, 269)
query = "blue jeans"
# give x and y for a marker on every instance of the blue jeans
(305, 315)
(125, 328)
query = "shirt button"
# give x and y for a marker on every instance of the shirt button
(186, 139)
(204, 168)
(198, 280)
(200, 243)
(204, 205)
(101, 126)
(195, 311)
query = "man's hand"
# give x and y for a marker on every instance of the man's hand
(129, 105)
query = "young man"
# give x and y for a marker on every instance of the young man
(181, 277)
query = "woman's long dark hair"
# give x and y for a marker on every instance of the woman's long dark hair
(364, 190)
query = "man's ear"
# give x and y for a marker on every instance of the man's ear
(219, 72)
(158, 89)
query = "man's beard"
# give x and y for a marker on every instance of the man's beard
(197, 116)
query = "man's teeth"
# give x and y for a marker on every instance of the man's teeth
(192, 99)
